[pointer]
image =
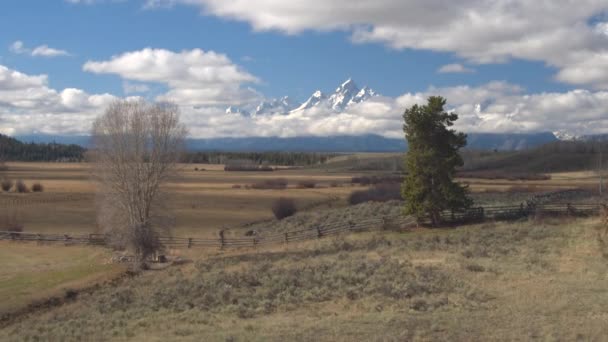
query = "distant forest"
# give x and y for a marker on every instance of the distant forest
(259, 158)
(12, 149)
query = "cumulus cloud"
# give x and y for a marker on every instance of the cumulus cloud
(28, 105)
(454, 69)
(40, 51)
(194, 77)
(560, 33)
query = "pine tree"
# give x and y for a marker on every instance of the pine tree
(431, 161)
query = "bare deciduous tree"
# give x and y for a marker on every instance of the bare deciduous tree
(136, 145)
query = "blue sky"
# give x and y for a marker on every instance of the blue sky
(310, 51)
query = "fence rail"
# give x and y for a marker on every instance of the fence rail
(450, 217)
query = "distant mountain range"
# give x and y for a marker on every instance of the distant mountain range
(342, 143)
(345, 95)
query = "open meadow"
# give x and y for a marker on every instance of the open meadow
(522, 280)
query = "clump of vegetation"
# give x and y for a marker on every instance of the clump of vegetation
(6, 185)
(370, 180)
(37, 187)
(20, 187)
(236, 186)
(503, 174)
(306, 184)
(284, 207)
(378, 193)
(271, 184)
(10, 222)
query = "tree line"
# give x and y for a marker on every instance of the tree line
(258, 158)
(12, 149)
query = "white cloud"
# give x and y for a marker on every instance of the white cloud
(28, 105)
(134, 88)
(194, 77)
(558, 33)
(45, 51)
(17, 47)
(40, 51)
(454, 68)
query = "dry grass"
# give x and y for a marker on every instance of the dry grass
(518, 281)
(31, 272)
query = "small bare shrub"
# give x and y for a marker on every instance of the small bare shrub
(10, 222)
(272, 184)
(37, 187)
(284, 207)
(306, 184)
(236, 186)
(6, 185)
(378, 193)
(20, 187)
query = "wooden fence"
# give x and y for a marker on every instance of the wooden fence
(472, 215)
(224, 242)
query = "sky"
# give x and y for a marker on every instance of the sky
(503, 65)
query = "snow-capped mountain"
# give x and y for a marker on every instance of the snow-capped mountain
(565, 136)
(345, 95)
(315, 99)
(282, 105)
(346, 92)
(236, 111)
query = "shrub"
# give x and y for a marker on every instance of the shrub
(372, 180)
(306, 184)
(10, 222)
(236, 186)
(284, 207)
(7, 185)
(274, 184)
(334, 184)
(37, 187)
(378, 193)
(21, 187)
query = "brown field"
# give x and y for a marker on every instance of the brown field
(557, 264)
(203, 201)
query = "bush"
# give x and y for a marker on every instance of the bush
(306, 184)
(236, 186)
(21, 187)
(274, 184)
(372, 180)
(37, 187)
(10, 222)
(284, 207)
(378, 193)
(6, 185)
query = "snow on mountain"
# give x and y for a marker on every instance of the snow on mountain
(314, 100)
(345, 95)
(340, 99)
(282, 105)
(236, 111)
(565, 136)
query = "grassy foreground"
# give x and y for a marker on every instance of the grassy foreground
(516, 281)
(32, 273)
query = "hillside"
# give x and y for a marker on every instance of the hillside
(559, 156)
(423, 285)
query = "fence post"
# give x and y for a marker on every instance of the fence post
(286, 238)
(39, 236)
(222, 239)
(255, 242)
(189, 242)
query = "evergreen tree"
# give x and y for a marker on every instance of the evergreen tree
(431, 161)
